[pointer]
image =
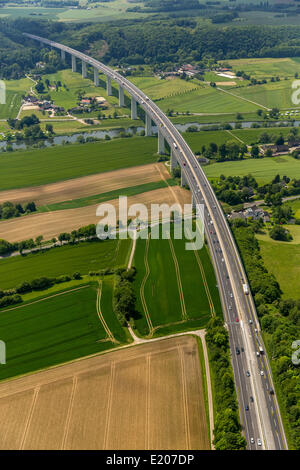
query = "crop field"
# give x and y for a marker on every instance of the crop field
(157, 88)
(263, 169)
(51, 224)
(72, 161)
(270, 95)
(283, 260)
(207, 100)
(53, 330)
(14, 91)
(151, 398)
(267, 67)
(101, 183)
(175, 287)
(66, 259)
(103, 197)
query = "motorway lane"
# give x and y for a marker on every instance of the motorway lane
(264, 415)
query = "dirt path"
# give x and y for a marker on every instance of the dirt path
(142, 288)
(100, 315)
(132, 250)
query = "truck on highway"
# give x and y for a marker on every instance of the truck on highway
(175, 145)
(245, 289)
(261, 350)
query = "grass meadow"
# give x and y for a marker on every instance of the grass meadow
(66, 259)
(263, 169)
(267, 67)
(283, 260)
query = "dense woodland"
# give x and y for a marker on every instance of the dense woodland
(152, 41)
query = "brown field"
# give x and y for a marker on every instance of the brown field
(143, 397)
(225, 83)
(87, 185)
(51, 224)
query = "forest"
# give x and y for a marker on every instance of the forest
(148, 41)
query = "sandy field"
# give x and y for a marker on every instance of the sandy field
(225, 83)
(144, 397)
(87, 185)
(51, 224)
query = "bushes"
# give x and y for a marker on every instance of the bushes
(10, 300)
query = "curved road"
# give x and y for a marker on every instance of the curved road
(259, 410)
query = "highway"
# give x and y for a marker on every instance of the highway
(259, 410)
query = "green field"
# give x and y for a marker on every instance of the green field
(263, 169)
(53, 330)
(247, 136)
(270, 95)
(172, 294)
(67, 96)
(14, 91)
(157, 88)
(296, 207)
(207, 100)
(267, 67)
(67, 259)
(71, 161)
(283, 260)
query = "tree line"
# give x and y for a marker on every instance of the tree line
(280, 323)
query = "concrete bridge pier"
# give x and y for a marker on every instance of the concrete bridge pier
(133, 108)
(73, 63)
(108, 86)
(83, 69)
(63, 55)
(121, 96)
(174, 162)
(96, 77)
(148, 129)
(161, 143)
(184, 181)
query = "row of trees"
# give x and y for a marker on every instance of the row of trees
(280, 321)
(124, 295)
